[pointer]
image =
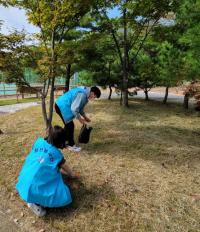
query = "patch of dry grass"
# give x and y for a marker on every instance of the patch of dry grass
(140, 172)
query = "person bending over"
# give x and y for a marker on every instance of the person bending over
(71, 105)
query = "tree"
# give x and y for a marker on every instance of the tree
(131, 29)
(54, 19)
(188, 20)
(96, 56)
(188, 27)
(14, 55)
(68, 54)
(146, 78)
(169, 67)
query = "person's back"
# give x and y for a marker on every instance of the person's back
(40, 179)
(40, 182)
(65, 101)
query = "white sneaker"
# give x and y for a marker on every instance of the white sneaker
(37, 209)
(74, 148)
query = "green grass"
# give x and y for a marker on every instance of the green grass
(140, 171)
(4, 102)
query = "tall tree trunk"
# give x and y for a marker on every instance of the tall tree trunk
(166, 95)
(125, 62)
(110, 93)
(44, 112)
(146, 94)
(51, 102)
(121, 98)
(186, 101)
(53, 75)
(68, 74)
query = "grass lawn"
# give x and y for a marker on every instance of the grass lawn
(140, 172)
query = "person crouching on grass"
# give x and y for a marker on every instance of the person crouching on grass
(71, 105)
(40, 182)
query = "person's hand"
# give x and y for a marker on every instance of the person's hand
(74, 176)
(82, 121)
(87, 119)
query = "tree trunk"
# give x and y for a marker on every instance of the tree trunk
(146, 95)
(121, 98)
(51, 102)
(110, 93)
(125, 63)
(68, 74)
(53, 76)
(166, 95)
(44, 112)
(186, 101)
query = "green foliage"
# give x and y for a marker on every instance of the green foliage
(85, 78)
(56, 20)
(96, 56)
(170, 65)
(129, 32)
(188, 19)
(14, 57)
(5, 2)
(111, 51)
(52, 15)
(145, 78)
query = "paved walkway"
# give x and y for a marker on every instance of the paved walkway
(13, 108)
(156, 96)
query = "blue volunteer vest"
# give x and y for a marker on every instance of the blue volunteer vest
(40, 180)
(64, 103)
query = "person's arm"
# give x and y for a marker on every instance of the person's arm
(82, 113)
(82, 100)
(77, 107)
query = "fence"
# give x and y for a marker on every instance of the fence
(11, 89)
(7, 89)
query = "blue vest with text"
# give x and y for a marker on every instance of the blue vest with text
(40, 180)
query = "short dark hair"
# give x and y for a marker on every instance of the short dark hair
(56, 136)
(96, 91)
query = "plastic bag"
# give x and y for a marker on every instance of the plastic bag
(84, 135)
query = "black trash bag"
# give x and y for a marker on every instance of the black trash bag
(84, 135)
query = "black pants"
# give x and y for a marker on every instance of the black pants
(68, 127)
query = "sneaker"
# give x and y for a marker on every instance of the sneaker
(74, 148)
(37, 209)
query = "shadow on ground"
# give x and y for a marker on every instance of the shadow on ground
(84, 199)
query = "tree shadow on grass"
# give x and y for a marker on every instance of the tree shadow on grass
(170, 144)
(147, 130)
(84, 199)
